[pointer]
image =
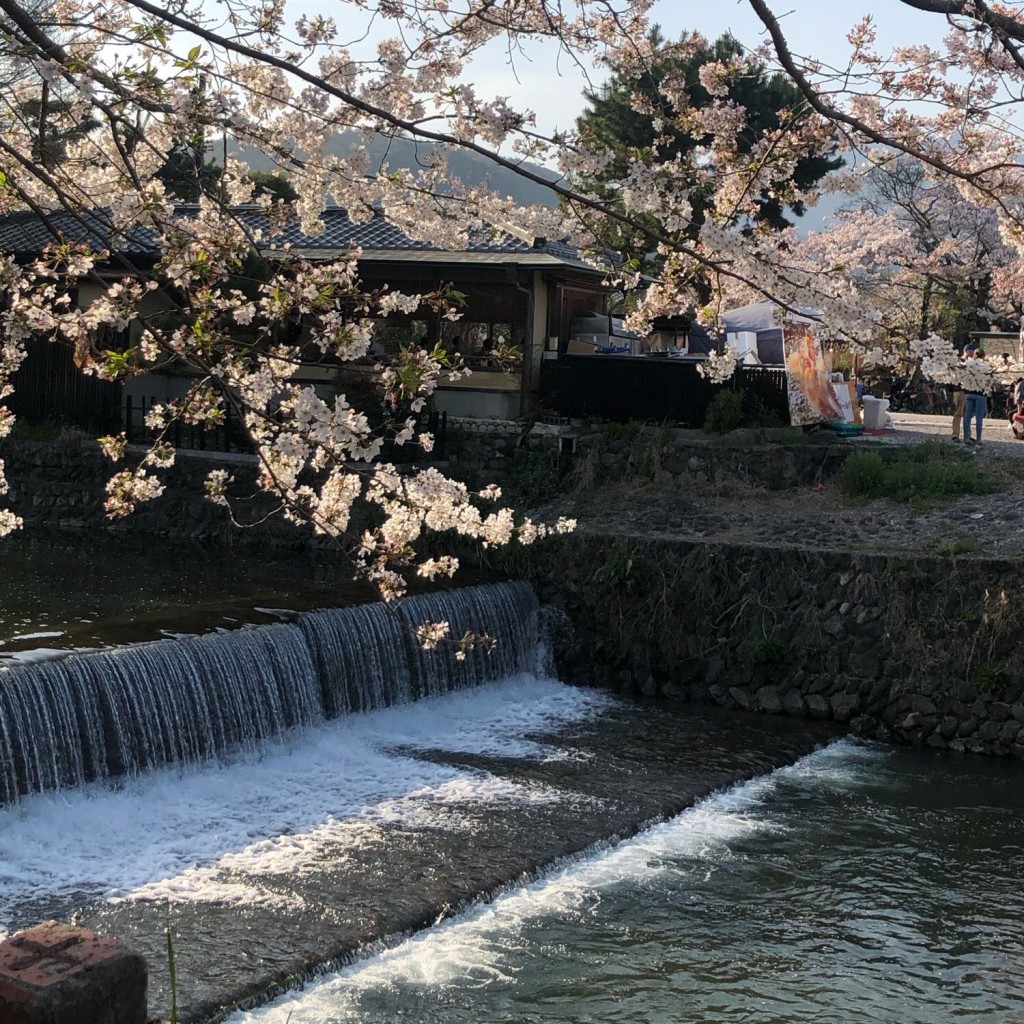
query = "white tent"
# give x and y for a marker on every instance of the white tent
(760, 318)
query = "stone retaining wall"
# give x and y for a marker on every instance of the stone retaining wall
(907, 649)
(61, 484)
(776, 459)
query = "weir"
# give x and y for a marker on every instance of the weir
(124, 711)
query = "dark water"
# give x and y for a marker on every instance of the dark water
(63, 591)
(862, 884)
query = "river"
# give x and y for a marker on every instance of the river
(861, 884)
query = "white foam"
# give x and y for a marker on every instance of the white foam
(472, 949)
(165, 832)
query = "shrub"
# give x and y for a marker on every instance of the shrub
(918, 475)
(766, 649)
(47, 430)
(725, 412)
(992, 677)
(759, 415)
(534, 476)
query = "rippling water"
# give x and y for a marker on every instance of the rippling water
(862, 884)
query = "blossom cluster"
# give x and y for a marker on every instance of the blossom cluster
(121, 86)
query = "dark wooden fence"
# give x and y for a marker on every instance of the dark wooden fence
(48, 387)
(625, 388)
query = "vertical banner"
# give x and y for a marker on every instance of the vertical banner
(811, 398)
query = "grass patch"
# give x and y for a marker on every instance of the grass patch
(47, 430)
(961, 546)
(918, 475)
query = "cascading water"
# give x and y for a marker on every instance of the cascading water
(512, 621)
(360, 655)
(124, 711)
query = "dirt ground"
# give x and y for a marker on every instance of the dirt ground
(728, 510)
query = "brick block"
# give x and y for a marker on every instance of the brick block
(57, 974)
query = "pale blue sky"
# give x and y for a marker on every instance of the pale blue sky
(816, 28)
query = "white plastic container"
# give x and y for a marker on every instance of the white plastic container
(875, 412)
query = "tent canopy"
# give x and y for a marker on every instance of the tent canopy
(759, 318)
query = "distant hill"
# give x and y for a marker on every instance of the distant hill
(470, 168)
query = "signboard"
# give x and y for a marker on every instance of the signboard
(811, 397)
(844, 400)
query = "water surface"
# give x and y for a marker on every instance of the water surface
(861, 884)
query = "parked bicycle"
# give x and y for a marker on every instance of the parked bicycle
(921, 396)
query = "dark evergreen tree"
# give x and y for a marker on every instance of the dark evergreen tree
(612, 120)
(187, 175)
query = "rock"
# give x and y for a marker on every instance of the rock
(55, 973)
(794, 704)
(989, 731)
(742, 697)
(1009, 731)
(912, 722)
(968, 727)
(833, 626)
(818, 707)
(866, 664)
(844, 705)
(713, 669)
(768, 700)
(863, 725)
(948, 727)
(919, 702)
(999, 711)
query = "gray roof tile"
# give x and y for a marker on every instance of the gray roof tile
(26, 234)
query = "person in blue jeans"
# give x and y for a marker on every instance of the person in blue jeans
(975, 407)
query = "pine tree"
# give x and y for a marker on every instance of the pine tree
(612, 121)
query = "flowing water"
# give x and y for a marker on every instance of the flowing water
(68, 721)
(860, 884)
(65, 592)
(309, 793)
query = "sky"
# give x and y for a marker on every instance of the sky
(553, 89)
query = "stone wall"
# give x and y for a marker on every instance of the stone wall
(61, 484)
(776, 459)
(907, 649)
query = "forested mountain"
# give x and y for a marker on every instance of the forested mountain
(470, 168)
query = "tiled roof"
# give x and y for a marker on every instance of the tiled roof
(26, 234)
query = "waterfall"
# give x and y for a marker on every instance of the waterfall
(128, 710)
(511, 621)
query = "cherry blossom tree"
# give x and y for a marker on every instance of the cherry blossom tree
(139, 79)
(925, 255)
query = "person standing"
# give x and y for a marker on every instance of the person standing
(959, 403)
(1017, 410)
(975, 407)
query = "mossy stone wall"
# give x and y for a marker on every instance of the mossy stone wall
(922, 650)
